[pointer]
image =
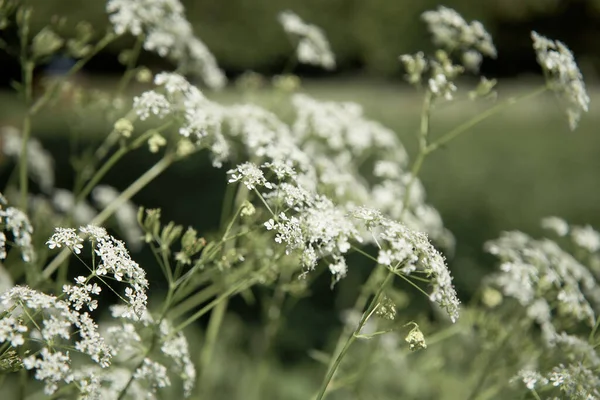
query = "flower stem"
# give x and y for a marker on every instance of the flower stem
(352, 337)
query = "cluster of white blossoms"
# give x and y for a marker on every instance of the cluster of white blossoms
(470, 42)
(317, 153)
(572, 381)
(562, 75)
(451, 32)
(17, 223)
(57, 323)
(313, 47)
(407, 252)
(166, 31)
(555, 288)
(114, 259)
(153, 370)
(58, 327)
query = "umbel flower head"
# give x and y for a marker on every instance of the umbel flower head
(562, 75)
(167, 32)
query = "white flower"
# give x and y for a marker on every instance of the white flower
(51, 367)
(558, 225)
(586, 237)
(451, 32)
(562, 75)
(154, 373)
(11, 330)
(440, 86)
(313, 47)
(151, 103)
(67, 237)
(531, 378)
(168, 33)
(250, 175)
(18, 223)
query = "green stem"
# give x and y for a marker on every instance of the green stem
(223, 297)
(23, 178)
(273, 311)
(113, 160)
(444, 139)
(212, 333)
(133, 57)
(352, 337)
(127, 194)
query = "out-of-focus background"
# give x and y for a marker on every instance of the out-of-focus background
(507, 173)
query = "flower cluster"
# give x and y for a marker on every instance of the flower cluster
(451, 32)
(550, 283)
(406, 252)
(562, 75)
(575, 381)
(17, 223)
(114, 260)
(167, 32)
(454, 37)
(57, 317)
(313, 47)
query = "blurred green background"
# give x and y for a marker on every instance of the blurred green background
(506, 173)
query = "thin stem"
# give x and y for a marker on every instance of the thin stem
(212, 333)
(127, 194)
(131, 62)
(351, 338)
(273, 311)
(233, 290)
(113, 160)
(481, 117)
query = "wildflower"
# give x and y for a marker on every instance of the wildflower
(67, 237)
(451, 32)
(562, 75)
(154, 373)
(586, 237)
(168, 33)
(250, 175)
(172, 82)
(11, 330)
(440, 86)
(312, 48)
(415, 66)
(18, 223)
(151, 103)
(544, 279)
(558, 225)
(405, 251)
(51, 367)
(531, 378)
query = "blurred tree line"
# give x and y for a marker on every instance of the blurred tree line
(367, 34)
